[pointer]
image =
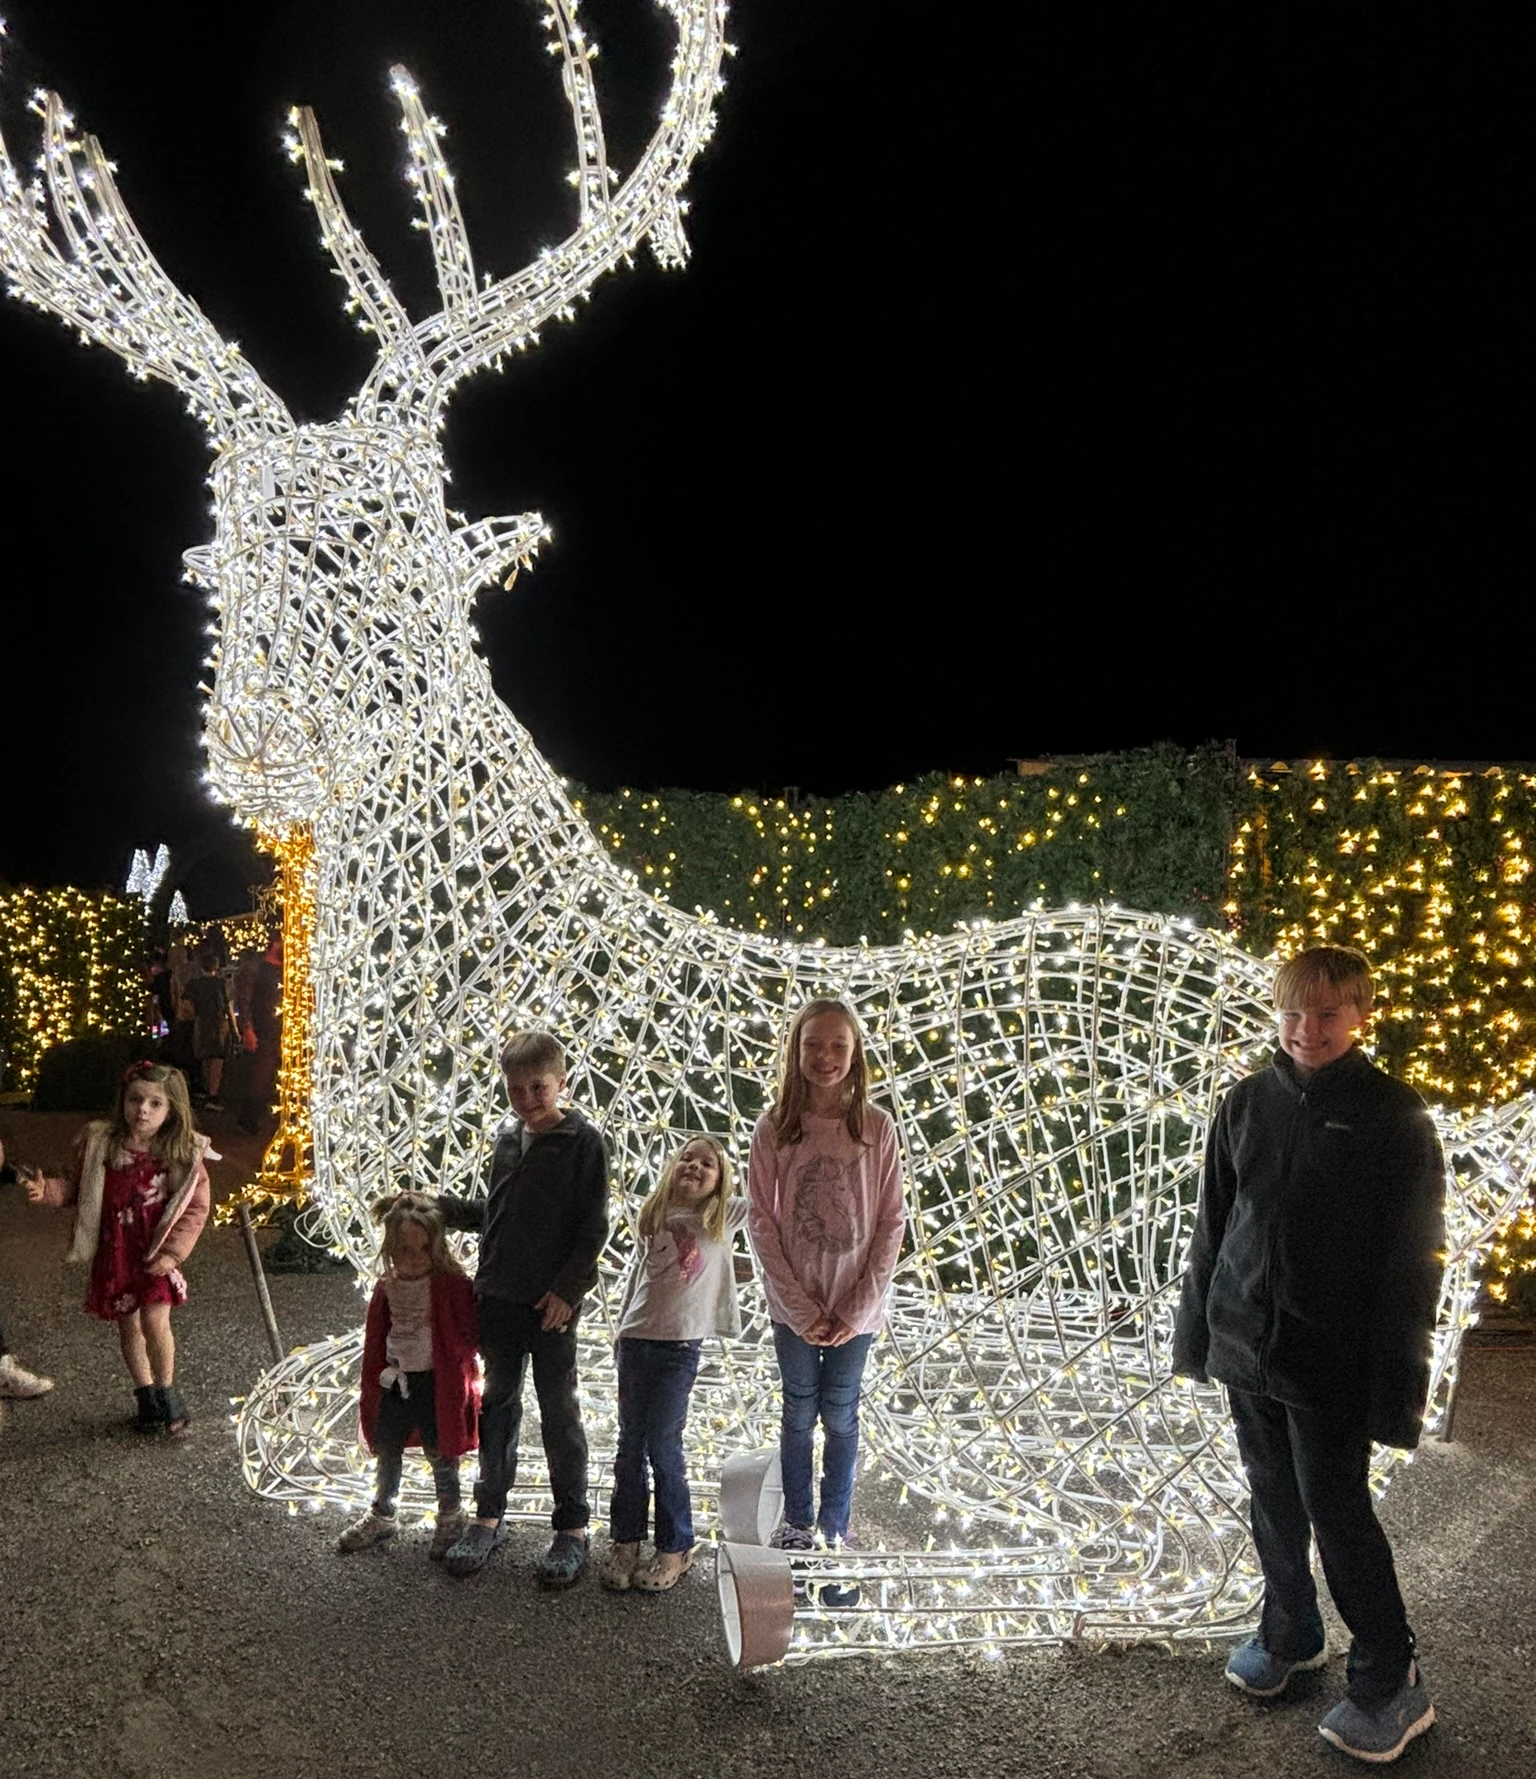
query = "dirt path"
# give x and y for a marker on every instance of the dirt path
(158, 1621)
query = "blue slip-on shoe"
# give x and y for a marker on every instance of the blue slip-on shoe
(1381, 1735)
(565, 1561)
(1253, 1670)
(473, 1550)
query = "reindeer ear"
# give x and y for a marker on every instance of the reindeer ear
(485, 550)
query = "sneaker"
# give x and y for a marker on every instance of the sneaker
(1381, 1735)
(565, 1561)
(665, 1570)
(451, 1522)
(18, 1383)
(373, 1528)
(1253, 1670)
(793, 1538)
(473, 1550)
(619, 1566)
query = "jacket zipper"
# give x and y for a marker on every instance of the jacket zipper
(1269, 1257)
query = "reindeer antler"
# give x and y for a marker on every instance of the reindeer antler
(420, 364)
(99, 276)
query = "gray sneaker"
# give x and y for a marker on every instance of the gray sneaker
(18, 1383)
(1253, 1670)
(373, 1528)
(1381, 1735)
(793, 1538)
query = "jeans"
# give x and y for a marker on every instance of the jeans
(1308, 1473)
(655, 1377)
(510, 1336)
(401, 1419)
(820, 1383)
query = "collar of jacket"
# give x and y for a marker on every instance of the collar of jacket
(1336, 1076)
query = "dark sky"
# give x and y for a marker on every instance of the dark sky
(1144, 373)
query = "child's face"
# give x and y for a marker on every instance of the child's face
(826, 1051)
(410, 1251)
(535, 1096)
(1317, 1035)
(697, 1174)
(145, 1110)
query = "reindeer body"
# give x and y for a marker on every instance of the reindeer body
(1053, 1076)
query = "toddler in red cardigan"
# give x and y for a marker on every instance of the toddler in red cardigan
(420, 1382)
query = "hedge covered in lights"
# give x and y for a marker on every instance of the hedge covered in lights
(1147, 829)
(69, 963)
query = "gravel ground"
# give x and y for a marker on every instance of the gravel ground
(157, 1621)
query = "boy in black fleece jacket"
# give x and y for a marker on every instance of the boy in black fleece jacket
(542, 1225)
(1311, 1293)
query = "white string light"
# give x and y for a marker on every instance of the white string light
(1053, 1077)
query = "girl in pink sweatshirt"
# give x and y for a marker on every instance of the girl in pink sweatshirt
(826, 1218)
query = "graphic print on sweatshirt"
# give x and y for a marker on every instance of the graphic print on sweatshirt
(825, 1206)
(690, 1261)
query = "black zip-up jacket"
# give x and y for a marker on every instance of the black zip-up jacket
(1314, 1271)
(544, 1218)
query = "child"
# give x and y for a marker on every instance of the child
(16, 1382)
(826, 1220)
(542, 1225)
(1313, 1280)
(681, 1287)
(140, 1192)
(419, 1382)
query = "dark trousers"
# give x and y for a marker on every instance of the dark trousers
(402, 1419)
(1308, 1470)
(655, 1377)
(510, 1336)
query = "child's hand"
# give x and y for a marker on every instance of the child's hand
(556, 1312)
(816, 1334)
(838, 1333)
(32, 1184)
(161, 1265)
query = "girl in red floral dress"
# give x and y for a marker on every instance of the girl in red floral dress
(140, 1192)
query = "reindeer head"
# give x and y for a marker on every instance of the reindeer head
(339, 581)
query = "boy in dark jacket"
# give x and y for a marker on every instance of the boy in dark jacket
(542, 1225)
(1311, 1293)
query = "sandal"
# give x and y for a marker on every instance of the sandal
(619, 1566)
(665, 1570)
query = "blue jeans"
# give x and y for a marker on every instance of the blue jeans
(820, 1383)
(655, 1377)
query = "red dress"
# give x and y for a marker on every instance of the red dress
(133, 1198)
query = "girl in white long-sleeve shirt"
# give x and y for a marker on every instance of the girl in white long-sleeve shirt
(826, 1218)
(681, 1289)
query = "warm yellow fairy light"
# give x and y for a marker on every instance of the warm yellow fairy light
(1052, 1076)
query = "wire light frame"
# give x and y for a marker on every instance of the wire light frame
(1033, 1470)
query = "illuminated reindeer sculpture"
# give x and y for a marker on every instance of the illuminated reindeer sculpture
(1053, 1076)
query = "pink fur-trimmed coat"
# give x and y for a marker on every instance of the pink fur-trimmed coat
(187, 1203)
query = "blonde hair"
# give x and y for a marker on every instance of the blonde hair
(175, 1141)
(794, 1096)
(533, 1051)
(405, 1208)
(1325, 969)
(653, 1213)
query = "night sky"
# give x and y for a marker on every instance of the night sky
(1045, 380)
